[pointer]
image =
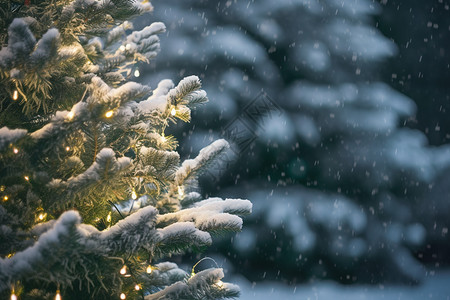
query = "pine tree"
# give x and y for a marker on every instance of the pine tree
(94, 197)
(340, 181)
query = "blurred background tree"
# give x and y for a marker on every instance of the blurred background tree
(345, 183)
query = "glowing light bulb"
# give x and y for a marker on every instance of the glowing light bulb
(58, 295)
(163, 138)
(180, 190)
(67, 148)
(5, 198)
(123, 271)
(137, 73)
(108, 218)
(109, 114)
(15, 95)
(173, 112)
(26, 178)
(122, 48)
(149, 269)
(123, 296)
(13, 296)
(15, 150)
(128, 46)
(137, 287)
(42, 216)
(219, 283)
(70, 115)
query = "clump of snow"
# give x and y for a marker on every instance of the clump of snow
(8, 136)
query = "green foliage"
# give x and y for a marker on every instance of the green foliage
(92, 149)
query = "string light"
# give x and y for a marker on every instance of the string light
(70, 115)
(219, 283)
(58, 295)
(180, 191)
(173, 112)
(137, 73)
(137, 287)
(122, 48)
(149, 269)
(5, 198)
(15, 150)
(13, 296)
(108, 218)
(123, 296)
(109, 114)
(127, 46)
(26, 178)
(163, 138)
(15, 95)
(133, 195)
(67, 148)
(123, 271)
(42, 216)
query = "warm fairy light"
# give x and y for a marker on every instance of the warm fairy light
(2, 188)
(163, 138)
(123, 271)
(70, 115)
(67, 148)
(15, 150)
(42, 216)
(137, 73)
(180, 190)
(109, 114)
(13, 296)
(149, 269)
(122, 48)
(192, 274)
(219, 283)
(133, 195)
(137, 287)
(108, 218)
(15, 95)
(58, 295)
(26, 178)
(123, 296)
(128, 46)
(173, 112)
(5, 198)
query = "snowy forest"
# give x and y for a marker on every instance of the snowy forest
(132, 134)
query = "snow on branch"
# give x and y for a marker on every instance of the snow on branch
(158, 100)
(212, 215)
(204, 285)
(178, 237)
(131, 233)
(145, 42)
(105, 167)
(8, 136)
(192, 167)
(37, 260)
(187, 92)
(21, 42)
(46, 48)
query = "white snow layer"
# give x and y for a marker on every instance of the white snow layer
(8, 136)
(204, 156)
(212, 213)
